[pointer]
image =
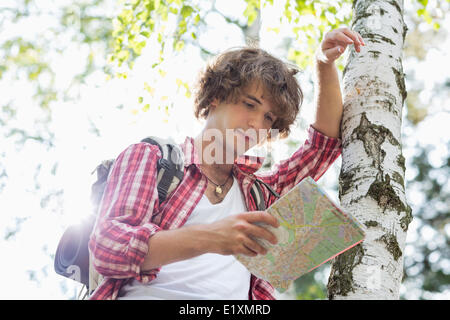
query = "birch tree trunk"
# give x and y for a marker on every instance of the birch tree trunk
(251, 33)
(371, 181)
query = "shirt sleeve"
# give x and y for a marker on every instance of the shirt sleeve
(260, 289)
(119, 242)
(312, 159)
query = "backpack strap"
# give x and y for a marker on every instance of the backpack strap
(170, 170)
(170, 166)
(170, 173)
(258, 196)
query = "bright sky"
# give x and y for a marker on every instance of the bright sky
(78, 150)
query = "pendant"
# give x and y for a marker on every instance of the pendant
(218, 190)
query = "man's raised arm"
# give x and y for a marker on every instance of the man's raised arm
(328, 97)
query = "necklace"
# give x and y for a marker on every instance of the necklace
(218, 191)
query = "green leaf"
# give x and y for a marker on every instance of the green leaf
(186, 11)
(251, 12)
(287, 11)
(123, 55)
(197, 19)
(179, 45)
(136, 4)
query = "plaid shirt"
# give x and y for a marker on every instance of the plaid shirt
(130, 213)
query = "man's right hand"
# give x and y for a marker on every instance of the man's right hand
(236, 234)
(233, 235)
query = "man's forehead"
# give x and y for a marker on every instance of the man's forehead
(256, 89)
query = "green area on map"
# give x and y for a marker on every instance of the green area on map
(312, 231)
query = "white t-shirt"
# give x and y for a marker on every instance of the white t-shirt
(208, 276)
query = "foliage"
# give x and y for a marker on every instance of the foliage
(430, 12)
(308, 288)
(168, 25)
(141, 19)
(427, 265)
(309, 21)
(35, 40)
(29, 57)
(169, 21)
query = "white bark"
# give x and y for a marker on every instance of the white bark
(251, 33)
(372, 173)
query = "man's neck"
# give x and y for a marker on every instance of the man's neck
(219, 171)
(210, 163)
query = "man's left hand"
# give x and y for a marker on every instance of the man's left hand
(335, 42)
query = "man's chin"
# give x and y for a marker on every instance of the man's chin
(233, 153)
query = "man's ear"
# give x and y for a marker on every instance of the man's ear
(213, 105)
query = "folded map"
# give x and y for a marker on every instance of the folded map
(313, 230)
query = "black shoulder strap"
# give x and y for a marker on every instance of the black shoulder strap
(257, 194)
(170, 167)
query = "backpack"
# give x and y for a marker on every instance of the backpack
(72, 258)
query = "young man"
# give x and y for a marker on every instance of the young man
(183, 248)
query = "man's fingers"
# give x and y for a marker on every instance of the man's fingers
(351, 34)
(344, 38)
(262, 216)
(334, 53)
(254, 247)
(258, 231)
(255, 225)
(362, 40)
(355, 37)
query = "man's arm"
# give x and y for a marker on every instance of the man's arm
(232, 235)
(328, 95)
(328, 100)
(168, 246)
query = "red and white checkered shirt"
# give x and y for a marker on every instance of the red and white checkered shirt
(130, 212)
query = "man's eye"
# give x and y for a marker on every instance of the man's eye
(249, 105)
(270, 118)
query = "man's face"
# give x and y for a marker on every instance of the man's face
(244, 123)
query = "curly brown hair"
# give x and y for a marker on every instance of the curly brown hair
(232, 71)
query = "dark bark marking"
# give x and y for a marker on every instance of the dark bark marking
(381, 190)
(396, 5)
(400, 80)
(377, 38)
(391, 245)
(398, 178)
(371, 223)
(401, 162)
(341, 276)
(372, 137)
(375, 54)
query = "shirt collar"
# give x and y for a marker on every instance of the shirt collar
(247, 164)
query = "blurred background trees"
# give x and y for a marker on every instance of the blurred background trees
(78, 76)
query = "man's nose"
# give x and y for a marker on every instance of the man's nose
(257, 122)
(256, 126)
